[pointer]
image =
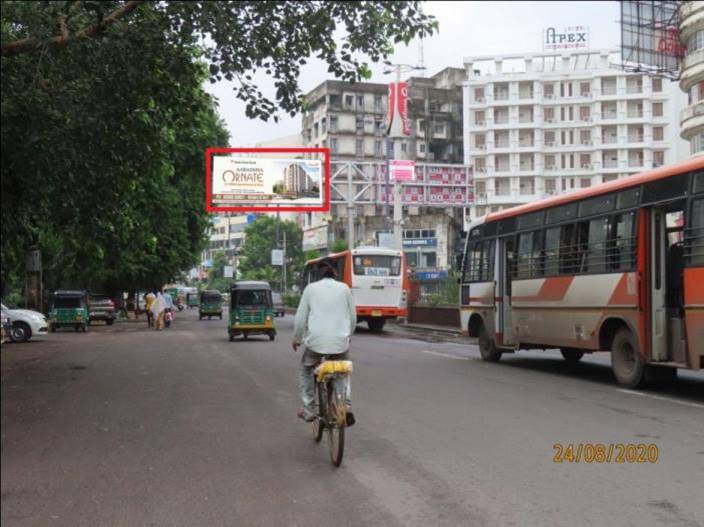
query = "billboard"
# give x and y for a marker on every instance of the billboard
(402, 170)
(397, 122)
(241, 179)
(650, 40)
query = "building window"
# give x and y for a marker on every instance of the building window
(377, 148)
(478, 94)
(323, 126)
(479, 118)
(360, 101)
(657, 109)
(359, 147)
(377, 103)
(349, 101)
(695, 42)
(696, 144)
(421, 148)
(439, 128)
(359, 124)
(657, 85)
(333, 145)
(658, 133)
(315, 130)
(658, 158)
(333, 123)
(404, 146)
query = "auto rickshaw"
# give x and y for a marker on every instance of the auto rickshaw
(251, 310)
(192, 299)
(69, 308)
(210, 305)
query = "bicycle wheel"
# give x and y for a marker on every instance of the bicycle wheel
(336, 421)
(317, 426)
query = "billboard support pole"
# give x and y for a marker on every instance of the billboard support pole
(398, 206)
(350, 210)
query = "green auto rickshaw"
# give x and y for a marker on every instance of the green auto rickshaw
(210, 305)
(251, 310)
(192, 299)
(69, 308)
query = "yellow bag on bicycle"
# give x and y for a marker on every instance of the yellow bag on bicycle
(330, 367)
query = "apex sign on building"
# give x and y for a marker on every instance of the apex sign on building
(573, 37)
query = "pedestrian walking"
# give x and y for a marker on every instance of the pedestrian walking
(168, 308)
(148, 301)
(158, 311)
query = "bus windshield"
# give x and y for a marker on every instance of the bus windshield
(377, 265)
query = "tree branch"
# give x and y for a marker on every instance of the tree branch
(30, 44)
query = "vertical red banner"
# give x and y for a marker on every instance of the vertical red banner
(402, 98)
(390, 106)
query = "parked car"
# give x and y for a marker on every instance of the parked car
(101, 307)
(25, 323)
(278, 303)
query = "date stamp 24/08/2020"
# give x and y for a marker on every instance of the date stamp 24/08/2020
(605, 453)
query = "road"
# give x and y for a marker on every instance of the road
(128, 426)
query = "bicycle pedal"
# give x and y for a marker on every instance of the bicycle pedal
(349, 419)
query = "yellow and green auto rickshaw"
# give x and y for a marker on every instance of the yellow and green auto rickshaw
(192, 297)
(69, 308)
(210, 305)
(251, 310)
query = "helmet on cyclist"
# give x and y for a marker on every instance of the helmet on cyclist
(327, 268)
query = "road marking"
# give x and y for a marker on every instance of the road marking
(661, 398)
(444, 355)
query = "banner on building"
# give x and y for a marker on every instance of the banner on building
(402, 170)
(245, 179)
(397, 121)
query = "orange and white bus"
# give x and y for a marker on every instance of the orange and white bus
(378, 279)
(616, 267)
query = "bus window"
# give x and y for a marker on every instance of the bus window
(525, 254)
(377, 265)
(538, 266)
(472, 262)
(623, 242)
(596, 252)
(567, 249)
(552, 247)
(695, 234)
(341, 267)
(580, 248)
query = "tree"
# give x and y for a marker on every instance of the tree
(102, 156)
(237, 39)
(255, 258)
(338, 246)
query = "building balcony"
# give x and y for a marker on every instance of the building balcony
(692, 70)
(692, 120)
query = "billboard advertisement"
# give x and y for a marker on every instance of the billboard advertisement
(397, 121)
(402, 170)
(650, 40)
(239, 180)
(572, 37)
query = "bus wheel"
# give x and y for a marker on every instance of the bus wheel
(627, 363)
(487, 347)
(376, 324)
(572, 356)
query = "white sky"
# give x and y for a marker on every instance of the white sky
(466, 29)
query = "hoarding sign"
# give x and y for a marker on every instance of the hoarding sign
(228, 271)
(402, 170)
(245, 179)
(572, 37)
(277, 257)
(650, 40)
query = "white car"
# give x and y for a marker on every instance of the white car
(25, 323)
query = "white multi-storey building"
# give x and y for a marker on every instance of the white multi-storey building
(692, 78)
(541, 124)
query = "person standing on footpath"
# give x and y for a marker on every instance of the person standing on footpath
(148, 301)
(158, 311)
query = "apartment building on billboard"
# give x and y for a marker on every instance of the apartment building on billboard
(350, 120)
(692, 74)
(547, 123)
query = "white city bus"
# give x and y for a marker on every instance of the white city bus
(378, 279)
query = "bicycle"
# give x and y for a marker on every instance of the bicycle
(331, 409)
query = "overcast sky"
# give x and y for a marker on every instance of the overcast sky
(466, 29)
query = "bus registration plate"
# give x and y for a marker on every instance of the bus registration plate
(376, 313)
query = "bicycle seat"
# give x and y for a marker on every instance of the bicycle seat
(330, 367)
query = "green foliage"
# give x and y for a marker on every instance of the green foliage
(292, 300)
(442, 292)
(237, 39)
(216, 274)
(311, 254)
(102, 152)
(255, 258)
(338, 246)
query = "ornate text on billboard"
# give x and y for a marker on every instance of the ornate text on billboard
(573, 37)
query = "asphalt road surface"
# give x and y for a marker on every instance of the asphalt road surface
(128, 426)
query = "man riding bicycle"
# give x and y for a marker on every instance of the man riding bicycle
(325, 320)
